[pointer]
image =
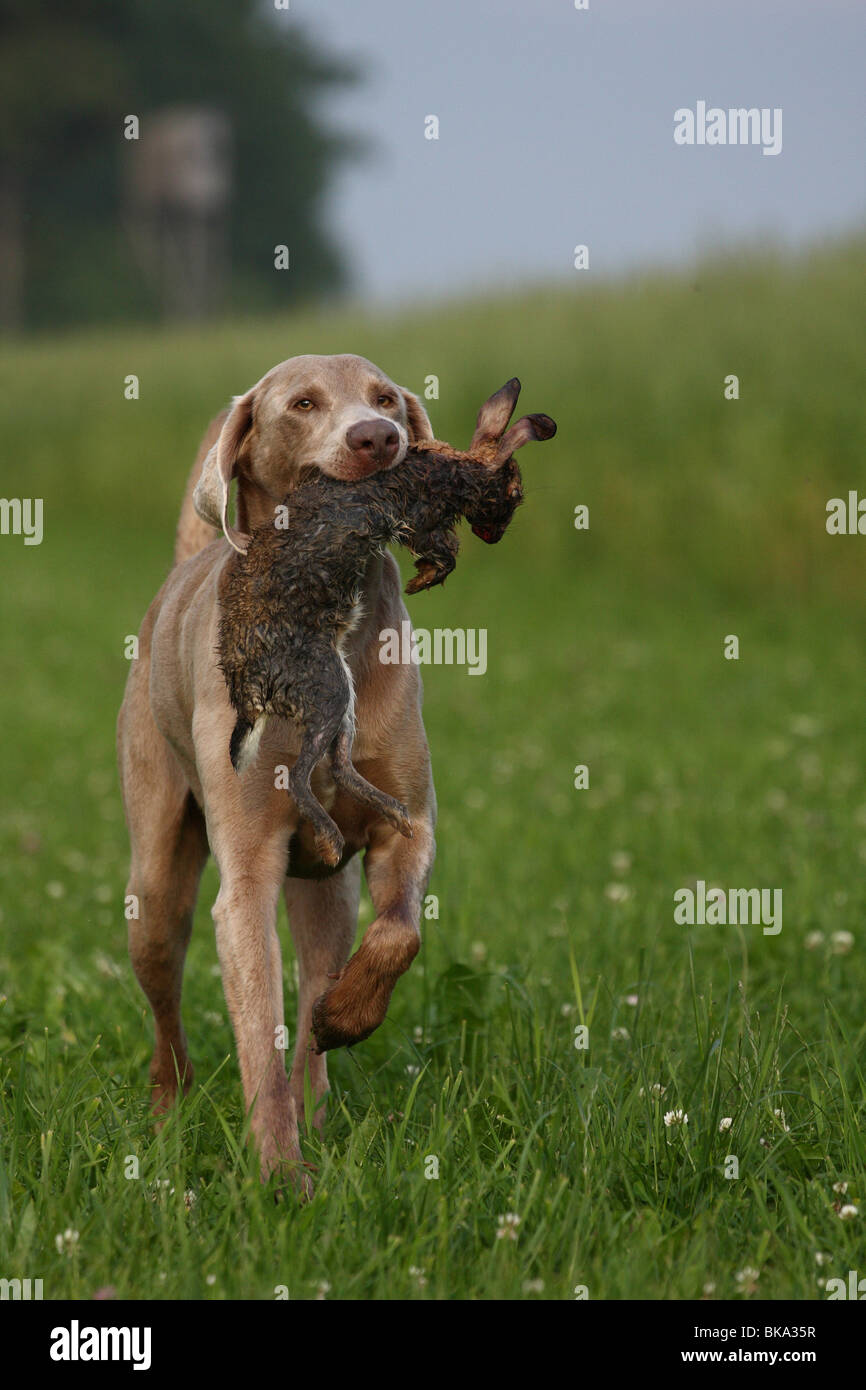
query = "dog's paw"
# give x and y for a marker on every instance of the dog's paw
(344, 1016)
(282, 1167)
(332, 1030)
(291, 1181)
(164, 1077)
(357, 1003)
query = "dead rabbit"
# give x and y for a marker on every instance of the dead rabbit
(289, 601)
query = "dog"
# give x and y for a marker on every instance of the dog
(341, 416)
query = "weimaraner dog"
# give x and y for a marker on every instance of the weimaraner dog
(182, 796)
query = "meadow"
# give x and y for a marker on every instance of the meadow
(557, 1175)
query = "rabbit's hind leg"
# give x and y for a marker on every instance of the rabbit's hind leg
(325, 693)
(314, 745)
(347, 776)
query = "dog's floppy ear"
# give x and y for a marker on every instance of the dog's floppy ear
(417, 418)
(211, 496)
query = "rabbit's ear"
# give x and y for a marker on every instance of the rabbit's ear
(529, 427)
(495, 414)
(211, 496)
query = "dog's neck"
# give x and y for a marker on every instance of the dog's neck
(255, 507)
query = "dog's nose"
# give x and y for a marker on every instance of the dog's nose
(374, 441)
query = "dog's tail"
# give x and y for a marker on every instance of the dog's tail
(245, 740)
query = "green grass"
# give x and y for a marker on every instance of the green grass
(605, 648)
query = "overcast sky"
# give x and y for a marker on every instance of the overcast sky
(556, 128)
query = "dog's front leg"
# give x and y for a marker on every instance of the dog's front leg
(397, 871)
(245, 914)
(323, 917)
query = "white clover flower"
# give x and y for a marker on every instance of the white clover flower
(657, 1090)
(780, 1116)
(848, 1212)
(418, 1275)
(322, 1291)
(841, 942)
(619, 1034)
(821, 1258)
(566, 1009)
(725, 1123)
(748, 1276)
(709, 1289)
(675, 1117)
(66, 1242)
(620, 861)
(210, 1280)
(813, 940)
(111, 969)
(507, 1225)
(533, 1286)
(617, 892)
(841, 1188)
(632, 1000)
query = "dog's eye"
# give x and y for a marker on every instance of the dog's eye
(304, 404)
(385, 399)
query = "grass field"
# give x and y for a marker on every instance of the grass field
(605, 648)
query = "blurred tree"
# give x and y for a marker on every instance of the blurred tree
(68, 79)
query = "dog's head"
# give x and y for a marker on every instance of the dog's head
(339, 414)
